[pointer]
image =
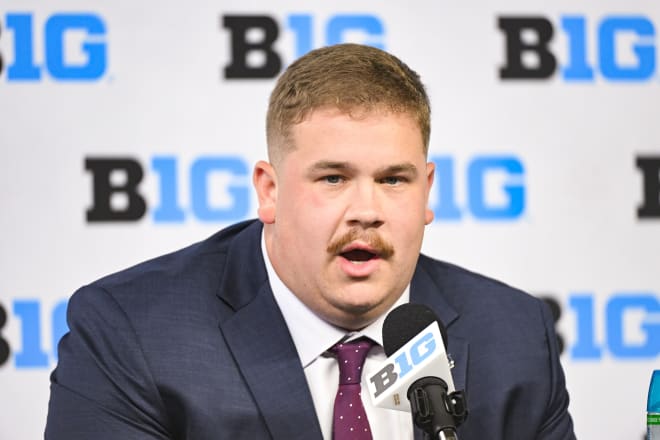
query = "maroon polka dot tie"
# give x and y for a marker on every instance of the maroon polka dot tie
(349, 420)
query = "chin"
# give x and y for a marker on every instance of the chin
(353, 322)
(358, 309)
(355, 316)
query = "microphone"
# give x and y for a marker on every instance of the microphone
(417, 366)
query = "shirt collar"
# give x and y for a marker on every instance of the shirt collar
(312, 335)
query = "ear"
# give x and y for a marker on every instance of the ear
(430, 173)
(264, 180)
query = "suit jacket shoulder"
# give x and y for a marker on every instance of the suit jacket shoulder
(505, 350)
(187, 345)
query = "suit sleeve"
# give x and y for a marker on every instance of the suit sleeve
(102, 387)
(558, 424)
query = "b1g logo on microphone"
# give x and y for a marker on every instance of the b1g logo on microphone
(253, 39)
(74, 47)
(625, 48)
(417, 358)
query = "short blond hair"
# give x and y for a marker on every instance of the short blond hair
(353, 78)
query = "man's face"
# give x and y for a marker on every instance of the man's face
(345, 211)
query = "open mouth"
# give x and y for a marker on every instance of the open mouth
(358, 255)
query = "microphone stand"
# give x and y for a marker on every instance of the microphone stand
(434, 411)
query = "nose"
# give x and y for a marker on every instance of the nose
(364, 207)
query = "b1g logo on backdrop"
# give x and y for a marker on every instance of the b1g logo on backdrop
(493, 187)
(74, 47)
(39, 330)
(253, 39)
(625, 48)
(632, 326)
(219, 189)
(624, 326)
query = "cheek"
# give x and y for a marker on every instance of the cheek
(409, 210)
(310, 213)
(312, 203)
(407, 222)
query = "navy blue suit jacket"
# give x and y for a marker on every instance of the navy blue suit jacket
(192, 345)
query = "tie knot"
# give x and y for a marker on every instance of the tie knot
(351, 356)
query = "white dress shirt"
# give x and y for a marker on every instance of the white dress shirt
(312, 337)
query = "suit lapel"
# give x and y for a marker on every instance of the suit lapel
(426, 290)
(259, 340)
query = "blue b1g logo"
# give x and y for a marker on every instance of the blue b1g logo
(502, 174)
(62, 60)
(253, 39)
(624, 48)
(621, 305)
(32, 318)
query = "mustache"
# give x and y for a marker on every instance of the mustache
(382, 247)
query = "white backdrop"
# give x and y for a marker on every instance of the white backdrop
(540, 186)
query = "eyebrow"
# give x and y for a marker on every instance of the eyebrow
(323, 165)
(405, 167)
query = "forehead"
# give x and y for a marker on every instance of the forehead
(369, 141)
(358, 125)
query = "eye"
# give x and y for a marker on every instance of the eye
(333, 179)
(392, 180)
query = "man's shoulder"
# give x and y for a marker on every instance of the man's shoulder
(500, 322)
(199, 264)
(466, 289)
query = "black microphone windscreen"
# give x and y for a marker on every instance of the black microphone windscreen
(405, 322)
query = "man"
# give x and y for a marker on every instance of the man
(235, 337)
